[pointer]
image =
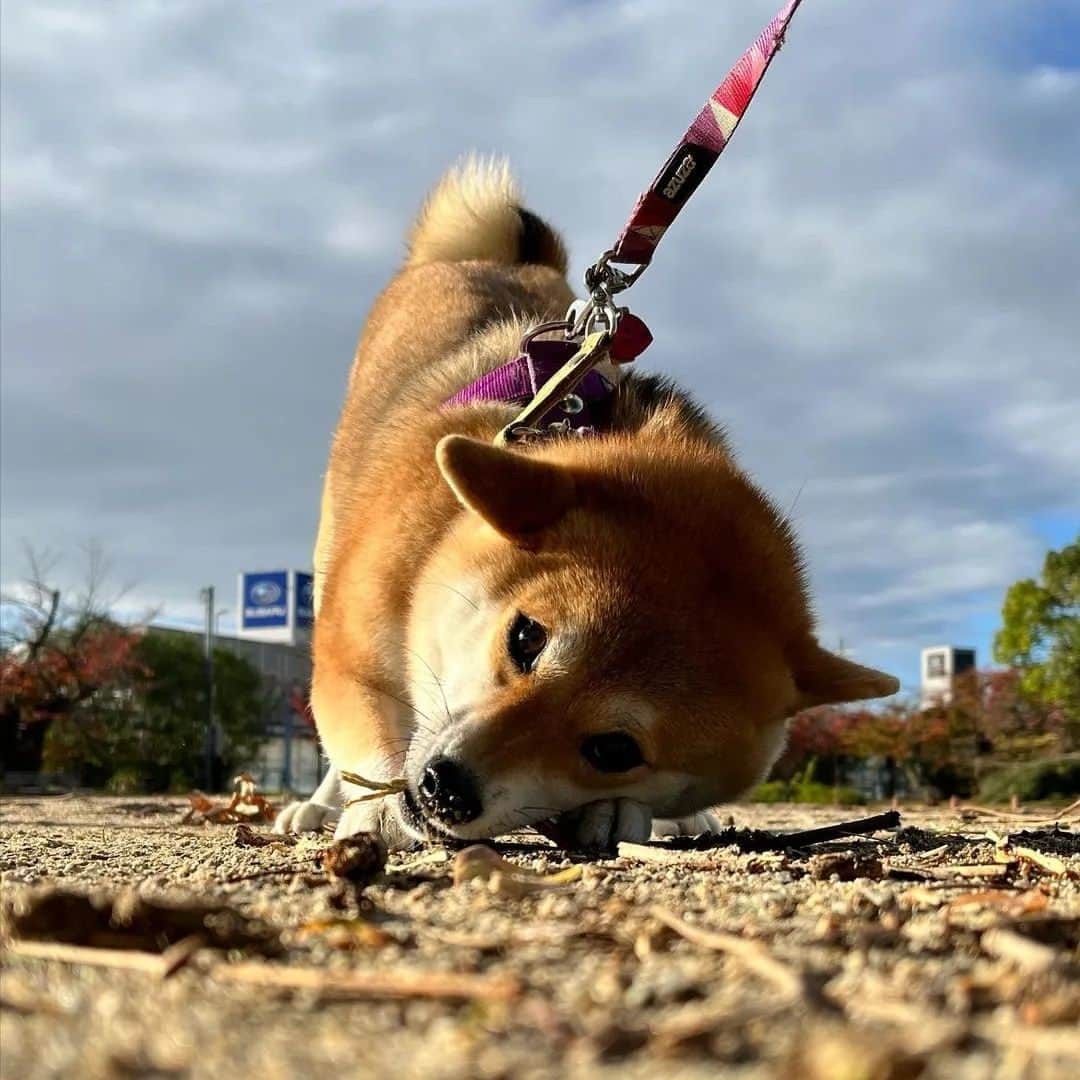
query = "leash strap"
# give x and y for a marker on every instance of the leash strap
(598, 323)
(699, 148)
(519, 380)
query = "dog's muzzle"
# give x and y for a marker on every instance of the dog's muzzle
(448, 793)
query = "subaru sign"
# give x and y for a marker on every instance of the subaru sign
(265, 600)
(305, 599)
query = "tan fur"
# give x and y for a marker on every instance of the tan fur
(473, 214)
(667, 578)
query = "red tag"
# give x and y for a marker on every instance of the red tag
(631, 339)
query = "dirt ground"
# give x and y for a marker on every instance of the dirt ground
(948, 948)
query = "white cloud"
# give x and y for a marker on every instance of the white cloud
(875, 289)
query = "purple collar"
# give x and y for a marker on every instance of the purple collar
(517, 381)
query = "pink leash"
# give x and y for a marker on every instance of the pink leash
(597, 326)
(698, 149)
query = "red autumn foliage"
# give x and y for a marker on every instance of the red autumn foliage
(300, 704)
(67, 671)
(988, 716)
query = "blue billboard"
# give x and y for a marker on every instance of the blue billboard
(305, 600)
(265, 600)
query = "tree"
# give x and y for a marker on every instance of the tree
(1040, 634)
(83, 692)
(159, 742)
(62, 655)
(986, 723)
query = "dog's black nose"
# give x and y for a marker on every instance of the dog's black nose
(448, 792)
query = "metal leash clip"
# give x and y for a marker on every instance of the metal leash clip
(563, 383)
(602, 274)
(603, 281)
(595, 321)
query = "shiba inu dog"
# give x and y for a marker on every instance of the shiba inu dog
(599, 631)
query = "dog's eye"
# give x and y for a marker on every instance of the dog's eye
(614, 752)
(526, 643)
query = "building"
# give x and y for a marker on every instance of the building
(274, 619)
(276, 613)
(941, 664)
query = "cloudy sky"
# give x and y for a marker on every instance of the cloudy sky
(876, 289)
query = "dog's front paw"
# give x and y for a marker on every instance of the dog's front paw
(600, 826)
(377, 816)
(701, 822)
(306, 816)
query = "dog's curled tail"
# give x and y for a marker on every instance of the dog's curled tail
(475, 212)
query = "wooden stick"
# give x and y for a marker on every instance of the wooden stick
(178, 954)
(663, 855)
(373, 984)
(130, 959)
(161, 964)
(270, 871)
(759, 840)
(841, 831)
(1018, 815)
(753, 955)
(1032, 956)
(949, 873)
(667, 1037)
(974, 870)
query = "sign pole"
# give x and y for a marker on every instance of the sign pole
(208, 667)
(286, 766)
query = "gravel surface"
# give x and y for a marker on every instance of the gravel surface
(947, 949)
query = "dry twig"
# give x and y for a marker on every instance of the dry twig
(949, 873)
(1072, 810)
(506, 878)
(377, 789)
(759, 840)
(161, 964)
(663, 855)
(756, 957)
(1030, 956)
(372, 984)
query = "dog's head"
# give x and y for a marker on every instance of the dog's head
(612, 619)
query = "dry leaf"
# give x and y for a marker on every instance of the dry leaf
(246, 804)
(1051, 864)
(344, 933)
(246, 836)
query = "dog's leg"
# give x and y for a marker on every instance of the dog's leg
(311, 814)
(601, 825)
(701, 822)
(367, 732)
(380, 816)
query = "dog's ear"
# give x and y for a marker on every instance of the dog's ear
(516, 494)
(823, 678)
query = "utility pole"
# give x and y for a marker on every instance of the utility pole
(208, 667)
(287, 748)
